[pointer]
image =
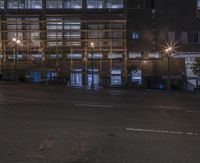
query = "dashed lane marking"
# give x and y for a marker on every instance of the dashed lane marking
(162, 131)
(94, 105)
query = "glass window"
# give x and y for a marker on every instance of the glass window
(1, 4)
(95, 56)
(135, 55)
(155, 55)
(116, 78)
(136, 35)
(114, 4)
(196, 37)
(104, 3)
(198, 8)
(76, 78)
(74, 56)
(171, 36)
(14, 29)
(184, 38)
(198, 4)
(72, 33)
(136, 76)
(115, 55)
(34, 4)
(95, 3)
(53, 35)
(31, 34)
(95, 77)
(15, 4)
(54, 4)
(73, 4)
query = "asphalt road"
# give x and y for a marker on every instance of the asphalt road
(55, 124)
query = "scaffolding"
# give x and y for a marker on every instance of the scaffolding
(62, 42)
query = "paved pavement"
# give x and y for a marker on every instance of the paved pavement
(55, 124)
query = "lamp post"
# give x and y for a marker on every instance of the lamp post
(169, 52)
(15, 51)
(92, 53)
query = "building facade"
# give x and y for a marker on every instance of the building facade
(130, 38)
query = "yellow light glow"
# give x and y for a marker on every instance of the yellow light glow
(92, 44)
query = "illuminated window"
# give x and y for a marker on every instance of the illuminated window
(54, 33)
(136, 35)
(115, 55)
(26, 29)
(73, 4)
(198, 8)
(114, 4)
(72, 33)
(135, 55)
(1, 4)
(104, 3)
(54, 4)
(15, 4)
(33, 4)
(75, 56)
(76, 78)
(116, 78)
(14, 28)
(31, 34)
(136, 76)
(198, 4)
(154, 55)
(95, 4)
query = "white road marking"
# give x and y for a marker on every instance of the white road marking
(162, 131)
(93, 105)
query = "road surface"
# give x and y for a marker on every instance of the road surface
(55, 124)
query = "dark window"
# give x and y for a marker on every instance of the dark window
(196, 37)
(136, 4)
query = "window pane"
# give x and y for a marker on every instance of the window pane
(184, 38)
(196, 37)
(15, 4)
(104, 3)
(35, 4)
(114, 4)
(95, 4)
(1, 3)
(73, 4)
(54, 4)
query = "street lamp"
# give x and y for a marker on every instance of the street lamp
(92, 53)
(169, 53)
(15, 51)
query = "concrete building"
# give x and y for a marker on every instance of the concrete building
(47, 40)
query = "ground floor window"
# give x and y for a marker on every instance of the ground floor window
(136, 77)
(76, 78)
(116, 78)
(36, 76)
(95, 77)
(51, 75)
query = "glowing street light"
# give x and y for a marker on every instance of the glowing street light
(15, 51)
(92, 53)
(168, 50)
